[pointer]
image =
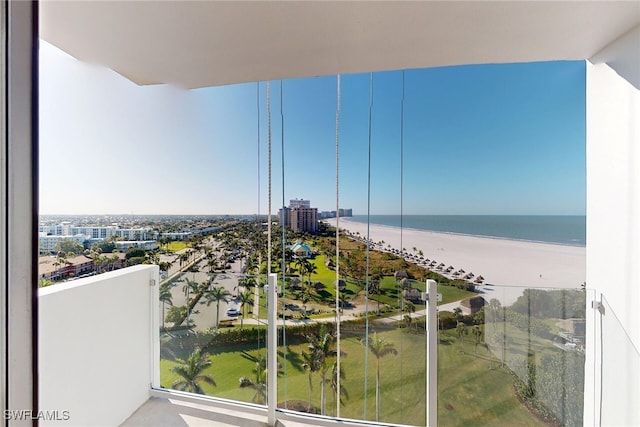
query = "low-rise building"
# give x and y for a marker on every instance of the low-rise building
(48, 243)
(147, 245)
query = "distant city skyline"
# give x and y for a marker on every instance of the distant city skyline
(486, 139)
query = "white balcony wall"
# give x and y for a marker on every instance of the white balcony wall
(613, 217)
(97, 347)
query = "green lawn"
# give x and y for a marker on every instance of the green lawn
(472, 388)
(175, 246)
(451, 294)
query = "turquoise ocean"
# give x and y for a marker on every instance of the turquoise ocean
(557, 229)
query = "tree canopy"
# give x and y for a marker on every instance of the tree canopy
(69, 245)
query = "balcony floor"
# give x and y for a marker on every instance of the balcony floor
(163, 412)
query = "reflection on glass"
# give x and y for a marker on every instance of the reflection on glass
(213, 333)
(620, 361)
(515, 358)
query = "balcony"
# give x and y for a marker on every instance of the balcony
(100, 360)
(115, 327)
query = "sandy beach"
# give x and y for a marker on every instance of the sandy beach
(503, 263)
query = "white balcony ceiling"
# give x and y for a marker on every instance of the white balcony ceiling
(197, 44)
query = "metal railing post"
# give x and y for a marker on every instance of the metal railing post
(432, 353)
(272, 349)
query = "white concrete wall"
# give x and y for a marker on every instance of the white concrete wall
(613, 234)
(97, 348)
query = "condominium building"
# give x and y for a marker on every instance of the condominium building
(299, 216)
(299, 203)
(304, 219)
(48, 243)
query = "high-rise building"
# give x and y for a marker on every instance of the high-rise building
(299, 216)
(299, 203)
(304, 219)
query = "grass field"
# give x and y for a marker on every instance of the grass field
(175, 246)
(472, 388)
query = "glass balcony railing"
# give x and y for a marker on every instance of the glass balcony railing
(505, 355)
(516, 357)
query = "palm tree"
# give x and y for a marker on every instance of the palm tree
(310, 364)
(152, 257)
(217, 294)
(380, 348)
(259, 383)
(333, 382)
(213, 264)
(191, 372)
(189, 287)
(245, 298)
(494, 310)
(183, 258)
(458, 313)
(409, 308)
(461, 329)
(407, 321)
(305, 299)
(165, 298)
(321, 347)
(477, 333)
(311, 269)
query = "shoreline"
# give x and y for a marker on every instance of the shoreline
(331, 221)
(350, 221)
(507, 265)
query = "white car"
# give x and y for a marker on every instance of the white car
(233, 312)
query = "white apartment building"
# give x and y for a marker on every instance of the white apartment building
(48, 243)
(147, 245)
(98, 232)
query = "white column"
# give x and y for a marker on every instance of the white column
(18, 208)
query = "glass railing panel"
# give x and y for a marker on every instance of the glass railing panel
(620, 360)
(512, 356)
(382, 360)
(213, 331)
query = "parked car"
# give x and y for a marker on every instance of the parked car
(233, 312)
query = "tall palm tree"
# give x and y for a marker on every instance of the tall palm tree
(191, 372)
(259, 383)
(216, 294)
(311, 269)
(494, 311)
(310, 364)
(191, 286)
(477, 334)
(333, 382)
(183, 258)
(245, 298)
(380, 348)
(409, 308)
(301, 265)
(461, 330)
(322, 348)
(165, 298)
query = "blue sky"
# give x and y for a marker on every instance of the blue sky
(485, 139)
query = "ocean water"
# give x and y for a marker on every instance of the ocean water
(560, 229)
